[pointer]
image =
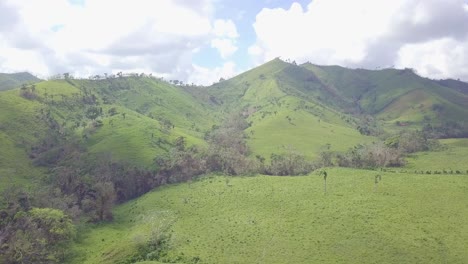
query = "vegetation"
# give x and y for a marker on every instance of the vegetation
(79, 155)
(15, 80)
(269, 219)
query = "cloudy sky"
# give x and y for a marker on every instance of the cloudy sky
(202, 40)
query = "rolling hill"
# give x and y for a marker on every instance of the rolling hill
(90, 143)
(136, 118)
(13, 80)
(302, 107)
(396, 95)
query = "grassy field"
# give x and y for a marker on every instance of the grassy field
(453, 157)
(264, 219)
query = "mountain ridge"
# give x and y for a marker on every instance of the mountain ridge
(13, 80)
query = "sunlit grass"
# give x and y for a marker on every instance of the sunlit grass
(263, 219)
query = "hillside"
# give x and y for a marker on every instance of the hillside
(457, 85)
(287, 107)
(74, 148)
(13, 80)
(396, 95)
(129, 119)
(303, 108)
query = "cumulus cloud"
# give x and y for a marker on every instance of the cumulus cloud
(53, 36)
(226, 35)
(368, 33)
(207, 76)
(225, 28)
(225, 47)
(439, 58)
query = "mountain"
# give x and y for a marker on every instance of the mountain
(287, 107)
(395, 95)
(306, 108)
(457, 85)
(13, 80)
(129, 119)
(74, 148)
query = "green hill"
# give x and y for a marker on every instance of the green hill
(83, 145)
(457, 85)
(287, 107)
(302, 107)
(396, 95)
(137, 119)
(13, 80)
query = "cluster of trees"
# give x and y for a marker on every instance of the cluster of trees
(28, 92)
(227, 153)
(105, 76)
(449, 129)
(32, 235)
(370, 156)
(289, 163)
(388, 153)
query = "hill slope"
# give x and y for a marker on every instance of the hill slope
(13, 80)
(304, 108)
(396, 95)
(92, 143)
(128, 119)
(287, 107)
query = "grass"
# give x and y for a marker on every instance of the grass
(264, 219)
(301, 130)
(19, 128)
(453, 157)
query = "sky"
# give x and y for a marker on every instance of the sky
(201, 41)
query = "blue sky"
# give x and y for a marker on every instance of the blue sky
(201, 41)
(243, 13)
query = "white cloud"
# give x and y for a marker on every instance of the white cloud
(225, 32)
(442, 58)
(51, 36)
(207, 76)
(225, 28)
(225, 47)
(365, 33)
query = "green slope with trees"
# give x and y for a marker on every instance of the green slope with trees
(74, 148)
(397, 96)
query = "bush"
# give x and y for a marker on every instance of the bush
(290, 163)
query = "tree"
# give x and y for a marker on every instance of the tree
(324, 174)
(377, 179)
(104, 200)
(92, 113)
(180, 143)
(55, 225)
(40, 236)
